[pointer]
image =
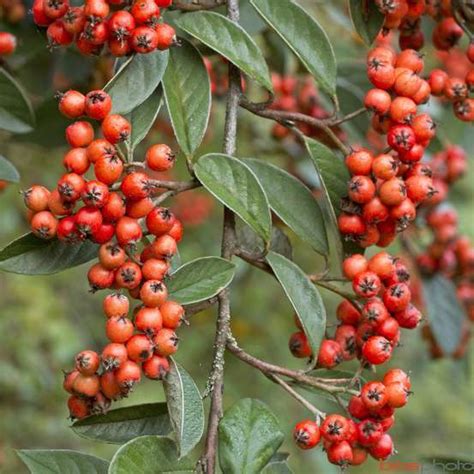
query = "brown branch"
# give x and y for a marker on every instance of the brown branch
(207, 463)
(270, 369)
(289, 118)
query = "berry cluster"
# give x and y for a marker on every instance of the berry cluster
(348, 442)
(7, 44)
(369, 328)
(124, 29)
(386, 189)
(406, 16)
(113, 209)
(13, 11)
(293, 94)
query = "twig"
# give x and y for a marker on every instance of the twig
(350, 116)
(318, 413)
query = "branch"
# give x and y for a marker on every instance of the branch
(271, 369)
(207, 463)
(289, 118)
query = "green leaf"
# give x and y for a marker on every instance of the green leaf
(188, 96)
(16, 113)
(304, 298)
(29, 255)
(143, 117)
(293, 203)
(61, 461)
(200, 279)
(278, 465)
(304, 36)
(230, 40)
(445, 313)
(333, 176)
(7, 171)
(233, 183)
(124, 424)
(367, 19)
(249, 241)
(185, 408)
(136, 80)
(149, 455)
(249, 435)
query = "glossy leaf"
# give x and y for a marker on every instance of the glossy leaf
(333, 176)
(249, 435)
(61, 461)
(445, 313)
(304, 36)
(136, 80)
(233, 183)
(303, 296)
(124, 424)
(249, 241)
(8, 172)
(185, 408)
(16, 113)
(367, 19)
(200, 279)
(187, 91)
(29, 255)
(143, 117)
(149, 455)
(230, 40)
(293, 203)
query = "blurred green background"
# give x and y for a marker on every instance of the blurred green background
(44, 321)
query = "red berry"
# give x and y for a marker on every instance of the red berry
(79, 134)
(166, 36)
(366, 284)
(166, 342)
(86, 385)
(128, 231)
(87, 362)
(377, 350)
(401, 137)
(119, 329)
(113, 356)
(159, 221)
(76, 161)
(78, 407)
(144, 39)
(111, 256)
(139, 348)
(359, 162)
(330, 354)
(340, 453)
(153, 293)
(374, 312)
(99, 277)
(98, 104)
(378, 101)
(148, 320)
(383, 449)
(172, 314)
(156, 367)
(306, 434)
(95, 194)
(88, 220)
(361, 189)
(347, 313)
(128, 275)
(116, 305)
(137, 186)
(72, 104)
(160, 157)
(335, 428)
(397, 297)
(116, 128)
(128, 375)
(44, 225)
(299, 345)
(36, 198)
(373, 395)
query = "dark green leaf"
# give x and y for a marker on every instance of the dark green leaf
(61, 461)
(293, 203)
(334, 176)
(188, 96)
(124, 424)
(136, 80)
(16, 113)
(200, 279)
(236, 186)
(143, 117)
(230, 40)
(30, 255)
(304, 36)
(304, 298)
(249, 435)
(185, 408)
(8, 172)
(445, 313)
(367, 19)
(149, 455)
(249, 241)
